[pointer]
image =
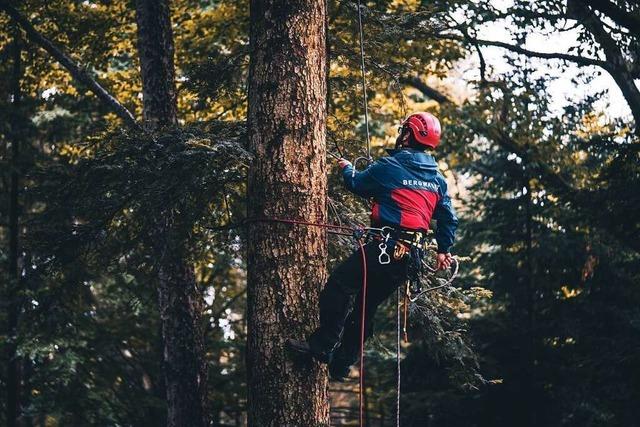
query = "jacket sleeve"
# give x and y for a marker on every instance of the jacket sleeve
(447, 220)
(362, 183)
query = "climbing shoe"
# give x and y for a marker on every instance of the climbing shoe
(303, 348)
(339, 371)
(340, 366)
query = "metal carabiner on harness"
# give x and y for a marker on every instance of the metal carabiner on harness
(384, 257)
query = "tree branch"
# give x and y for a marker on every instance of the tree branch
(497, 135)
(619, 16)
(426, 90)
(618, 67)
(615, 65)
(66, 61)
(580, 60)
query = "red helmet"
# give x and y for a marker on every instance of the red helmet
(425, 127)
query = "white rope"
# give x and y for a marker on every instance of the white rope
(364, 82)
(414, 298)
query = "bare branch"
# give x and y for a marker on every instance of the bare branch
(580, 60)
(497, 135)
(625, 19)
(615, 65)
(618, 67)
(66, 61)
(426, 90)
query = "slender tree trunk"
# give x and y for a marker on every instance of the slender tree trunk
(13, 362)
(286, 264)
(530, 311)
(155, 50)
(179, 299)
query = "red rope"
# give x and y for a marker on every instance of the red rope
(342, 230)
(331, 228)
(362, 319)
(300, 222)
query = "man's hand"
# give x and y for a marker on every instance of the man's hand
(343, 163)
(443, 261)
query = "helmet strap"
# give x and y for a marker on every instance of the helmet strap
(404, 139)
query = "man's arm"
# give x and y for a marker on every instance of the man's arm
(447, 220)
(361, 183)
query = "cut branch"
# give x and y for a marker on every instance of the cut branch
(67, 62)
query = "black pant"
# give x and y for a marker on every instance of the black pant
(341, 300)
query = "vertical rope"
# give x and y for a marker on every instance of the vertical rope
(362, 334)
(364, 81)
(398, 296)
(406, 311)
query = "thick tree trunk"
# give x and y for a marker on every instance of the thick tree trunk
(179, 299)
(286, 264)
(13, 362)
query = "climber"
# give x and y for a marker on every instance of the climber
(407, 191)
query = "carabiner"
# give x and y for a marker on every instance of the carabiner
(384, 257)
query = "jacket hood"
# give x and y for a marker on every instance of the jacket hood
(414, 159)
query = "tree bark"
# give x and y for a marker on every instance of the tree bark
(13, 361)
(286, 264)
(178, 295)
(155, 48)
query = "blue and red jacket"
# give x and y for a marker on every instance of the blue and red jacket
(407, 191)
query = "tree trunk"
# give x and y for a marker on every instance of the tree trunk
(179, 299)
(286, 264)
(155, 50)
(13, 362)
(531, 397)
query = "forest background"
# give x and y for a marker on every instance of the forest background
(539, 103)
